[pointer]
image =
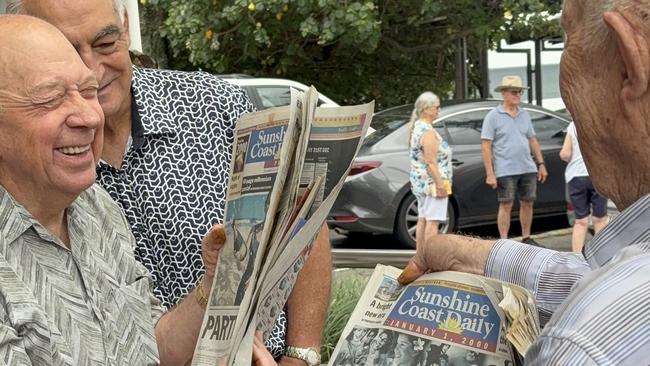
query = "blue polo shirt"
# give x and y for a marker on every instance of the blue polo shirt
(510, 146)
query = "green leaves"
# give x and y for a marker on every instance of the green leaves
(352, 50)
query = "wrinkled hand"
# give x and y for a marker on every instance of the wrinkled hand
(447, 253)
(211, 245)
(491, 180)
(261, 356)
(542, 173)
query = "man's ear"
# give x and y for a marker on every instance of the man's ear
(633, 47)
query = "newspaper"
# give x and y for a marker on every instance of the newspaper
(276, 205)
(335, 139)
(444, 318)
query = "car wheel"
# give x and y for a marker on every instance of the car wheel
(407, 219)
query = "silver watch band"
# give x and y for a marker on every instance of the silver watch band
(310, 355)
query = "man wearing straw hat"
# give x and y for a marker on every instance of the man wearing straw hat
(508, 138)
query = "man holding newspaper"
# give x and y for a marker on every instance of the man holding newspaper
(595, 307)
(72, 292)
(166, 161)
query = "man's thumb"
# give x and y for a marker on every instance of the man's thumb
(410, 273)
(216, 235)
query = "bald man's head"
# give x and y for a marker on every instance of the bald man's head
(101, 37)
(51, 122)
(26, 41)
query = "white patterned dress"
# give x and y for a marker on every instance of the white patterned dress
(421, 182)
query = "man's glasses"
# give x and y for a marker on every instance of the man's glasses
(516, 92)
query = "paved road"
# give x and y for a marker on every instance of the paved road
(387, 242)
(365, 251)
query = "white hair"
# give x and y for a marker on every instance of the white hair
(598, 36)
(592, 18)
(424, 101)
(16, 7)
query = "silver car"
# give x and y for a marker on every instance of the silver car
(377, 198)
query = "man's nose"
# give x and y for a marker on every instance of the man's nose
(83, 114)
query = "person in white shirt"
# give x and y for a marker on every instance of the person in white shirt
(585, 199)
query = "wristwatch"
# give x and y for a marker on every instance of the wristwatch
(310, 355)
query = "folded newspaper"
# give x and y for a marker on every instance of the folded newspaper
(444, 318)
(288, 166)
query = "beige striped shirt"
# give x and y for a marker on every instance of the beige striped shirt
(91, 304)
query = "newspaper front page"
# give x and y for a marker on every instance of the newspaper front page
(261, 151)
(444, 318)
(335, 138)
(271, 218)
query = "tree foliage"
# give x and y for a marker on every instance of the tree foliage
(352, 50)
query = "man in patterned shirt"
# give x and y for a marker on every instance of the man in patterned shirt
(71, 291)
(597, 303)
(166, 158)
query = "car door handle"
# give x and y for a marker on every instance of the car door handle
(456, 162)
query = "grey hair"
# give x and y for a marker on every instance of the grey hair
(17, 7)
(424, 101)
(598, 37)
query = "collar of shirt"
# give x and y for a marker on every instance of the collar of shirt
(15, 220)
(136, 140)
(632, 226)
(143, 120)
(502, 110)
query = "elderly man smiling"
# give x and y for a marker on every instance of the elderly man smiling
(71, 291)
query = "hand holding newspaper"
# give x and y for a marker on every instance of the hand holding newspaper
(288, 165)
(443, 318)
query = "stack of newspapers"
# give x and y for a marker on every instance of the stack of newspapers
(444, 318)
(288, 165)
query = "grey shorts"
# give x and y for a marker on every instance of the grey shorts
(525, 185)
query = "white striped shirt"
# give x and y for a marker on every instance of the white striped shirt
(598, 305)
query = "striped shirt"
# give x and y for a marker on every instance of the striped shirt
(91, 304)
(596, 307)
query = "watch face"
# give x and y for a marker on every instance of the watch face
(313, 357)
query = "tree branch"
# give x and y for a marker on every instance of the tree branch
(432, 20)
(427, 47)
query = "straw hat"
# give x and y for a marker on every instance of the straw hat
(510, 82)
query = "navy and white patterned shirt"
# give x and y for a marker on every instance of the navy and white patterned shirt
(598, 304)
(173, 180)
